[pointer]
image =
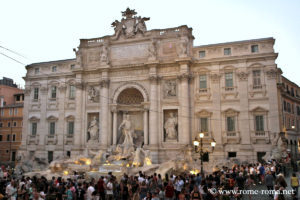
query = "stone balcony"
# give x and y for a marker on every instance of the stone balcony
(232, 137)
(51, 139)
(260, 135)
(69, 139)
(33, 139)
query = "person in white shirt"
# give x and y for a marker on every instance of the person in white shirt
(9, 189)
(90, 191)
(109, 190)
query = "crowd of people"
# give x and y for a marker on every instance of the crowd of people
(224, 184)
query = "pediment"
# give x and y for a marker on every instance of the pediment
(258, 109)
(34, 118)
(230, 111)
(52, 118)
(204, 112)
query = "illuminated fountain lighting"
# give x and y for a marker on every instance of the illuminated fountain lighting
(107, 163)
(148, 161)
(195, 171)
(136, 164)
(88, 162)
(66, 172)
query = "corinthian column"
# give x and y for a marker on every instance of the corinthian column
(184, 96)
(78, 119)
(115, 128)
(146, 135)
(153, 112)
(103, 139)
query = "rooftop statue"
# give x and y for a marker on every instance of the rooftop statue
(130, 25)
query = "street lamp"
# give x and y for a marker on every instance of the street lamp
(200, 149)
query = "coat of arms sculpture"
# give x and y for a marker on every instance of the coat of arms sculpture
(130, 25)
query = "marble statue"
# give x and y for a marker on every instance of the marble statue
(126, 127)
(137, 157)
(104, 55)
(141, 26)
(182, 49)
(118, 27)
(278, 151)
(92, 94)
(170, 127)
(152, 51)
(93, 129)
(170, 88)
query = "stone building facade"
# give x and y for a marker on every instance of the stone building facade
(169, 89)
(11, 120)
(289, 110)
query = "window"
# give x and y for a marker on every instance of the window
(254, 48)
(54, 68)
(298, 110)
(52, 128)
(72, 92)
(203, 82)
(14, 137)
(8, 124)
(36, 70)
(284, 105)
(230, 124)
(8, 138)
(72, 66)
(71, 128)
(69, 154)
(11, 111)
(229, 79)
(289, 107)
(201, 54)
(13, 156)
(33, 128)
(2, 112)
(204, 125)
(16, 111)
(50, 156)
(36, 93)
(231, 154)
(256, 79)
(53, 92)
(1, 125)
(0, 138)
(259, 123)
(227, 51)
(292, 92)
(15, 124)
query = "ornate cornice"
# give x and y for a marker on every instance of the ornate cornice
(104, 83)
(185, 77)
(271, 74)
(154, 78)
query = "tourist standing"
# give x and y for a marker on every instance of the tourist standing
(295, 184)
(90, 191)
(109, 190)
(269, 181)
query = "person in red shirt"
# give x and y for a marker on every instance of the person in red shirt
(169, 191)
(100, 188)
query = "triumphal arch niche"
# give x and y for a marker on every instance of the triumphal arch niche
(136, 87)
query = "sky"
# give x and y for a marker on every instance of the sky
(38, 31)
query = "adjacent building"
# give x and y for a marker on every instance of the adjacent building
(166, 90)
(11, 120)
(289, 110)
